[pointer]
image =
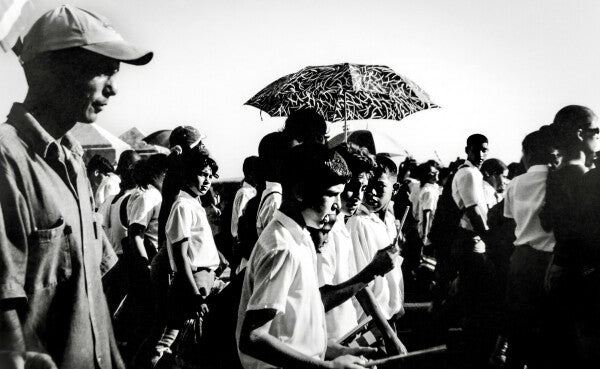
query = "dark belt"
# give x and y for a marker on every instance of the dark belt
(200, 269)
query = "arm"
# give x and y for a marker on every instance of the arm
(182, 262)
(382, 263)
(426, 223)
(256, 341)
(136, 238)
(11, 336)
(477, 219)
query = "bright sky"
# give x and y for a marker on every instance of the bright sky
(500, 68)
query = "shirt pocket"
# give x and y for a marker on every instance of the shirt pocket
(49, 259)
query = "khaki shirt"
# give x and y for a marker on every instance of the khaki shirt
(51, 247)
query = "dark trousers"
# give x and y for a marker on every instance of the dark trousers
(527, 308)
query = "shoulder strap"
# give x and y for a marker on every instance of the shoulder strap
(264, 198)
(123, 211)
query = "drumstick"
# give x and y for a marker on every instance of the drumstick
(391, 359)
(393, 246)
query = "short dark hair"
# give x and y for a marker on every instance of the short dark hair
(384, 164)
(127, 161)
(539, 145)
(250, 165)
(193, 161)
(422, 171)
(408, 165)
(492, 167)
(357, 158)
(314, 166)
(146, 171)
(305, 125)
(271, 150)
(101, 164)
(566, 122)
(476, 139)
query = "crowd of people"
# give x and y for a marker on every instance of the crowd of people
(129, 267)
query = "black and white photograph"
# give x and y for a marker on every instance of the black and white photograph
(256, 184)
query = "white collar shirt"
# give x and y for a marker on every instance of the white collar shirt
(110, 185)
(143, 208)
(336, 265)
(187, 220)
(270, 201)
(111, 220)
(428, 198)
(491, 196)
(467, 190)
(525, 196)
(369, 234)
(282, 275)
(242, 196)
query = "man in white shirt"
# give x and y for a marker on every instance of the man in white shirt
(474, 267)
(244, 194)
(271, 150)
(429, 192)
(524, 199)
(281, 319)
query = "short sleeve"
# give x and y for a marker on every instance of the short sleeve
(273, 277)
(179, 224)
(13, 236)
(429, 200)
(141, 209)
(468, 189)
(360, 243)
(266, 213)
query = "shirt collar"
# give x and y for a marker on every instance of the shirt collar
(247, 185)
(299, 233)
(273, 186)
(32, 132)
(538, 168)
(184, 194)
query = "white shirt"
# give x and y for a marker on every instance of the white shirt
(242, 196)
(336, 265)
(110, 185)
(491, 196)
(414, 187)
(187, 219)
(428, 199)
(370, 234)
(467, 190)
(270, 201)
(111, 220)
(523, 201)
(143, 208)
(282, 275)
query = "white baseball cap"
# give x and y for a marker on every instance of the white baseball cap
(67, 26)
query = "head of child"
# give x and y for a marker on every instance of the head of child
(250, 169)
(427, 173)
(361, 165)
(151, 171)
(199, 170)
(495, 172)
(313, 179)
(381, 186)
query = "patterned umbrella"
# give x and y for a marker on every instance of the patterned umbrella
(343, 92)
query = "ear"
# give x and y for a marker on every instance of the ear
(580, 134)
(298, 192)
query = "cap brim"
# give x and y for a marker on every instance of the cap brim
(122, 51)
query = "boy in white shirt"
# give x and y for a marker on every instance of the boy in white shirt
(336, 263)
(372, 229)
(281, 317)
(192, 251)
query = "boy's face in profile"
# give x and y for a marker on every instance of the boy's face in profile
(379, 192)
(323, 207)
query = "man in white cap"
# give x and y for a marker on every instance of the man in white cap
(51, 248)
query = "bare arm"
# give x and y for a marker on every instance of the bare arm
(256, 341)
(382, 263)
(426, 223)
(11, 334)
(477, 219)
(182, 262)
(136, 238)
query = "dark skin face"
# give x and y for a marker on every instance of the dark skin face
(379, 192)
(476, 154)
(353, 193)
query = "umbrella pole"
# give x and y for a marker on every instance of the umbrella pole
(345, 121)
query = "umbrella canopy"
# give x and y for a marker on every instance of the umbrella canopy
(375, 142)
(343, 92)
(159, 138)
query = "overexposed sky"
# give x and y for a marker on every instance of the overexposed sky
(501, 68)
